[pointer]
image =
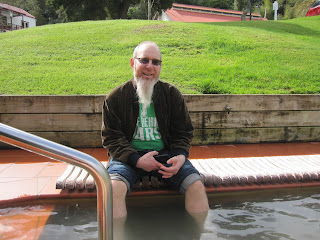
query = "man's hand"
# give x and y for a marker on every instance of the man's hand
(148, 163)
(176, 162)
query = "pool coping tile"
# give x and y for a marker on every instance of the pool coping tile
(44, 177)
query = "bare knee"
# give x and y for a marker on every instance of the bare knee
(195, 187)
(119, 192)
(196, 198)
(119, 188)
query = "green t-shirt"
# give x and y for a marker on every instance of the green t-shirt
(146, 135)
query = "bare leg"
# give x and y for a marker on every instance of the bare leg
(119, 229)
(196, 203)
(119, 191)
(196, 200)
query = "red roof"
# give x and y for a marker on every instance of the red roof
(15, 9)
(191, 13)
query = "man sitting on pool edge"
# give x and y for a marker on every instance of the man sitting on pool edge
(145, 117)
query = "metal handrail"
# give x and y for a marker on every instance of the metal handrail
(62, 153)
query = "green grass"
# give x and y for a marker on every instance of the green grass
(258, 57)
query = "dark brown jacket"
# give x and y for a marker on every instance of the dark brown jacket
(119, 118)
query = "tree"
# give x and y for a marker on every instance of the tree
(146, 9)
(157, 6)
(222, 4)
(138, 11)
(247, 6)
(79, 10)
(118, 9)
(293, 8)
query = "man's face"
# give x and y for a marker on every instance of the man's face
(149, 71)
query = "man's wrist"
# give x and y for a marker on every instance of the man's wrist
(178, 151)
(133, 159)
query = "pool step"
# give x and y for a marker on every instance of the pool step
(221, 171)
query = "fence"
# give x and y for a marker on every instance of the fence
(75, 121)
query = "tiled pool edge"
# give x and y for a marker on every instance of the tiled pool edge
(54, 169)
(74, 194)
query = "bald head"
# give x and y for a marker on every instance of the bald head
(143, 44)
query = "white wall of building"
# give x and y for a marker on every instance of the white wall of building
(27, 21)
(18, 20)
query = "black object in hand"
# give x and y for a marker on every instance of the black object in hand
(162, 158)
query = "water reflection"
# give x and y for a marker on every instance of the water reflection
(282, 214)
(166, 219)
(270, 215)
(72, 221)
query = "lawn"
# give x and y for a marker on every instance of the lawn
(257, 57)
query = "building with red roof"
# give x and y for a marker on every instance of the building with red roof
(191, 13)
(13, 18)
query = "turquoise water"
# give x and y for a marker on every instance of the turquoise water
(281, 214)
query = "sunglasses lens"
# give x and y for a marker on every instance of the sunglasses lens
(144, 60)
(156, 62)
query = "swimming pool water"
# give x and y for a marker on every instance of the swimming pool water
(280, 214)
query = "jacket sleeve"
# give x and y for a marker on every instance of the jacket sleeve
(114, 139)
(181, 126)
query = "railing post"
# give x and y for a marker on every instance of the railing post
(62, 153)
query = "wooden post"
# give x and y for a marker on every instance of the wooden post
(149, 9)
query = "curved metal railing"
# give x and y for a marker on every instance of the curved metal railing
(62, 153)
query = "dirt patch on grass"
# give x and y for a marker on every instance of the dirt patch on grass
(153, 27)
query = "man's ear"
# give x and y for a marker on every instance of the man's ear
(132, 63)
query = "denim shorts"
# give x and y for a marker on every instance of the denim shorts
(187, 175)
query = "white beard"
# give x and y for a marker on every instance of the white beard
(145, 92)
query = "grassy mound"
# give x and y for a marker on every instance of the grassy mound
(232, 58)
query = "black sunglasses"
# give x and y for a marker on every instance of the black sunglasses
(155, 62)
